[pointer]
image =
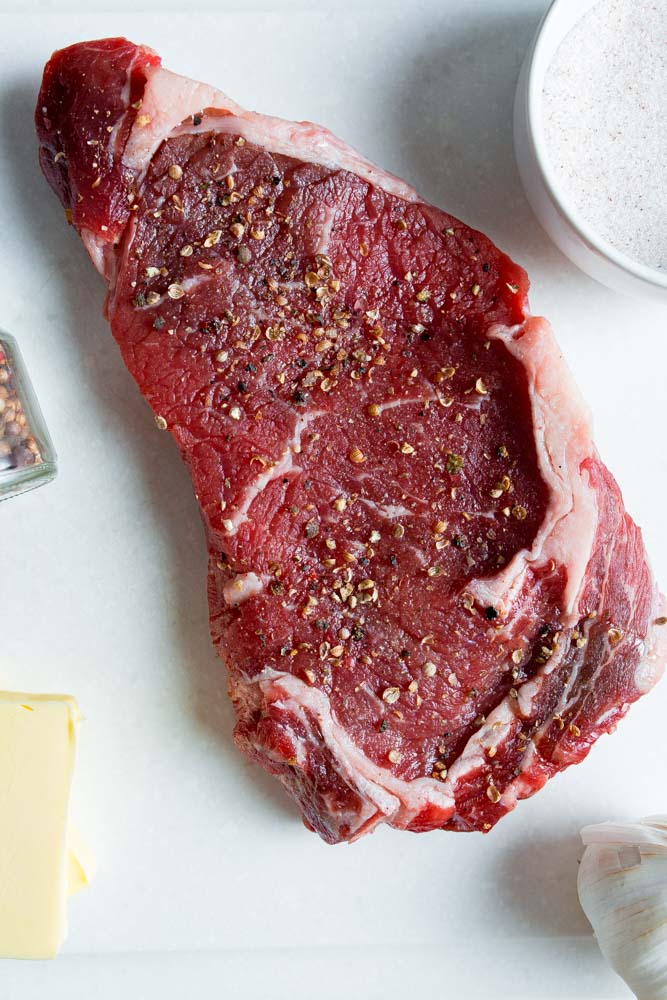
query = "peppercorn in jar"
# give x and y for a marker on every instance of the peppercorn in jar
(27, 458)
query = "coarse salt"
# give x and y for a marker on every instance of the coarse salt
(605, 124)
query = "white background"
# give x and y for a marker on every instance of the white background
(208, 885)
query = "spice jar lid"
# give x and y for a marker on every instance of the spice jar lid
(27, 455)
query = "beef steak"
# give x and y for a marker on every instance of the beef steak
(423, 582)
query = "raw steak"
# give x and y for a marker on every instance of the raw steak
(423, 582)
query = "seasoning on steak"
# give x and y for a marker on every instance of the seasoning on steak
(422, 579)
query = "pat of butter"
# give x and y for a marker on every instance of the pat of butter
(37, 866)
(80, 863)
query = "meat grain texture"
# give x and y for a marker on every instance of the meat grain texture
(422, 579)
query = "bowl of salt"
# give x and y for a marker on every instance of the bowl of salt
(590, 134)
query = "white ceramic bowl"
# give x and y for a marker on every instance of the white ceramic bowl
(562, 221)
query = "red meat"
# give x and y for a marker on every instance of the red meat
(423, 582)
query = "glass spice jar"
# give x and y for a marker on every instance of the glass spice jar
(27, 457)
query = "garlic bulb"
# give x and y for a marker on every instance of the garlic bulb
(623, 891)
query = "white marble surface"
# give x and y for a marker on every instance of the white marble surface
(206, 876)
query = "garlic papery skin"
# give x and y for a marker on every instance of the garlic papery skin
(622, 887)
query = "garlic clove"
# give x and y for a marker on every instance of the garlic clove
(650, 831)
(659, 822)
(622, 887)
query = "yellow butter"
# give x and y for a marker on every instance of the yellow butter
(37, 747)
(80, 863)
(76, 874)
